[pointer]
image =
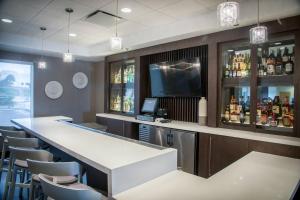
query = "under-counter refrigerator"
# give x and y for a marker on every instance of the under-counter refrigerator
(183, 141)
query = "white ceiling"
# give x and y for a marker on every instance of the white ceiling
(150, 22)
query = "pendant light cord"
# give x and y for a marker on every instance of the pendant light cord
(69, 32)
(43, 36)
(116, 19)
(257, 12)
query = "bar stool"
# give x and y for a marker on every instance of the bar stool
(17, 162)
(10, 132)
(61, 192)
(63, 172)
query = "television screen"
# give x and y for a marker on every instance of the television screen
(182, 78)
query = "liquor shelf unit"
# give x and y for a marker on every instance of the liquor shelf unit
(260, 75)
(250, 84)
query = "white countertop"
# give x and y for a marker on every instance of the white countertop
(188, 126)
(105, 153)
(256, 176)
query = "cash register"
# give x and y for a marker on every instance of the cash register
(149, 109)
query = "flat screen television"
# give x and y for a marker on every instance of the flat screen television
(176, 79)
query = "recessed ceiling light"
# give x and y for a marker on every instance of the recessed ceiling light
(277, 43)
(72, 34)
(7, 20)
(126, 10)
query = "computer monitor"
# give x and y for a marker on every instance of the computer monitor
(150, 105)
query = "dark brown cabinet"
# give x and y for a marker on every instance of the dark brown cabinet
(119, 127)
(224, 151)
(217, 152)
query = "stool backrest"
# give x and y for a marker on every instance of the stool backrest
(10, 133)
(54, 168)
(60, 192)
(23, 142)
(9, 128)
(33, 154)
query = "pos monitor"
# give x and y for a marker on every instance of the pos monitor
(150, 106)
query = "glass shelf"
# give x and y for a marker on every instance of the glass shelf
(275, 108)
(122, 75)
(235, 92)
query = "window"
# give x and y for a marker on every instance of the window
(15, 90)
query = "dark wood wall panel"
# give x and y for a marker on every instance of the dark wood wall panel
(181, 108)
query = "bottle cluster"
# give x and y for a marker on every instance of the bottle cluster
(276, 112)
(280, 64)
(238, 111)
(238, 65)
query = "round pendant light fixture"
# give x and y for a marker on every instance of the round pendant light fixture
(116, 41)
(68, 57)
(42, 63)
(228, 13)
(258, 34)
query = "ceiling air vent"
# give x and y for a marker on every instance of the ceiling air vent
(102, 18)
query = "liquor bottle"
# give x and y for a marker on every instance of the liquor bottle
(247, 105)
(234, 70)
(242, 117)
(242, 103)
(231, 72)
(258, 112)
(276, 108)
(226, 72)
(239, 72)
(286, 108)
(269, 106)
(285, 56)
(125, 75)
(260, 70)
(227, 113)
(271, 64)
(289, 66)
(232, 104)
(233, 109)
(278, 66)
(292, 56)
(264, 116)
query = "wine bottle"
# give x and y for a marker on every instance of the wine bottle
(276, 108)
(289, 66)
(271, 63)
(285, 56)
(278, 66)
(238, 71)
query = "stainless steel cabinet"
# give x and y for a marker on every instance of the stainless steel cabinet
(183, 141)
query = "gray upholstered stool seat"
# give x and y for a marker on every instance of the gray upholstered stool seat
(21, 163)
(79, 186)
(63, 180)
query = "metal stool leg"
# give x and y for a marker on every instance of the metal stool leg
(13, 184)
(8, 180)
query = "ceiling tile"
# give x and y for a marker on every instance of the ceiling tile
(58, 6)
(156, 4)
(95, 4)
(184, 9)
(128, 27)
(137, 9)
(154, 18)
(17, 9)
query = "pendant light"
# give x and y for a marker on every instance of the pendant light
(228, 13)
(68, 57)
(258, 34)
(42, 63)
(116, 42)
